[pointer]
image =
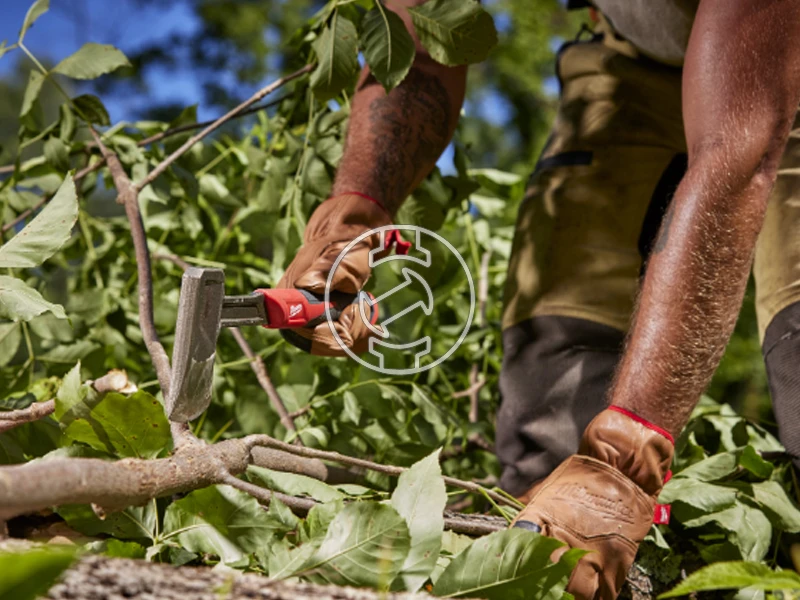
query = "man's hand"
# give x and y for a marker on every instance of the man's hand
(336, 223)
(602, 499)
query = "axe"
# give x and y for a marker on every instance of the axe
(204, 308)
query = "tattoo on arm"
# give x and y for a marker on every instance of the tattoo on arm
(395, 141)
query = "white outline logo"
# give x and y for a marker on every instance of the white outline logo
(421, 347)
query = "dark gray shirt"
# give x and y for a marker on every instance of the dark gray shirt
(658, 28)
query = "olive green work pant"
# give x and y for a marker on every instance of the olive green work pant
(585, 227)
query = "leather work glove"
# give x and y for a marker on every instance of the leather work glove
(333, 225)
(602, 499)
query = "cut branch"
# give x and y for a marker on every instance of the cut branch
(36, 411)
(264, 440)
(165, 164)
(128, 196)
(257, 364)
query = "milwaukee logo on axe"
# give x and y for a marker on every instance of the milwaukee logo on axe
(295, 309)
(404, 294)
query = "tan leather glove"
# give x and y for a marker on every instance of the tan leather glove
(333, 225)
(602, 499)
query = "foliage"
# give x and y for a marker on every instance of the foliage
(239, 201)
(726, 575)
(27, 575)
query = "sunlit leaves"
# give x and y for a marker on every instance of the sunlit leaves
(48, 232)
(366, 545)
(36, 10)
(455, 33)
(735, 575)
(388, 47)
(420, 498)
(337, 57)
(507, 565)
(35, 82)
(92, 61)
(20, 302)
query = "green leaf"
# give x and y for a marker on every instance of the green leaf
(36, 10)
(10, 337)
(92, 61)
(420, 498)
(56, 152)
(91, 108)
(119, 549)
(729, 575)
(35, 82)
(713, 468)
(126, 426)
(366, 545)
(507, 565)
(133, 523)
(748, 529)
(42, 237)
(292, 484)
(4, 48)
(20, 302)
(28, 575)
(388, 47)
(455, 32)
(771, 496)
(337, 56)
(219, 520)
(352, 408)
(751, 460)
(699, 494)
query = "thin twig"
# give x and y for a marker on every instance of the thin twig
(257, 364)
(176, 260)
(298, 505)
(128, 196)
(192, 126)
(270, 442)
(299, 412)
(165, 164)
(36, 411)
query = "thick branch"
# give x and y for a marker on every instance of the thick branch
(114, 485)
(257, 364)
(36, 411)
(165, 164)
(264, 440)
(128, 196)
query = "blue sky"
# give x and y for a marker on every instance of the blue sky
(71, 23)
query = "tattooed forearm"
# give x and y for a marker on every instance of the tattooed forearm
(395, 139)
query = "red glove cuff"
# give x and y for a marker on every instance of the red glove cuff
(645, 422)
(393, 237)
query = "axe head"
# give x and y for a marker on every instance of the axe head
(196, 331)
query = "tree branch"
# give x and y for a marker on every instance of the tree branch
(257, 364)
(264, 440)
(165, 164)
(128, 196)
(36, 411)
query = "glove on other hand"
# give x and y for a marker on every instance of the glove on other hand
(602, 499)
(333, 225)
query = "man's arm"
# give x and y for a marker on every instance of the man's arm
(741, 88)
(395, 139)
